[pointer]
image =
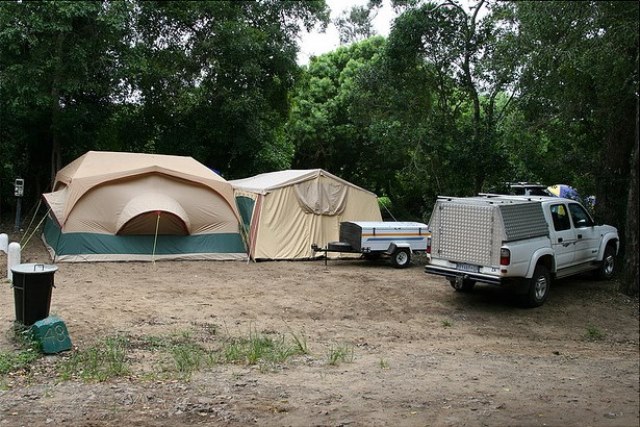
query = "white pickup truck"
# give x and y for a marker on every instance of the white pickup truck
(520, 242)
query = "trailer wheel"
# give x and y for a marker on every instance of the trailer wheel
(462, 285)
(538, 287)
(401, 258)
(608, 265)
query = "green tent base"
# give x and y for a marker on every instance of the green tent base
(78, 247)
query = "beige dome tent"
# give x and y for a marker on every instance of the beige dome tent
(109, 206)
(285, 212)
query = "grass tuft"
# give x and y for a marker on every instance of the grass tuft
(28, 352)
(105, 360)
(340, 353)
(593, 333)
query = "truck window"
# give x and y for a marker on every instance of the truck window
(580, 216)
(560, 217)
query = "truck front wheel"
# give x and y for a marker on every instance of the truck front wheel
(608, 265)
(401, 258)
(538, 287)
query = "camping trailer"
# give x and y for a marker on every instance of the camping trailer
(372, 239)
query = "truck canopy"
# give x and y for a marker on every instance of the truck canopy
(472, 229)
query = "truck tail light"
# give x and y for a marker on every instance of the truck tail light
(505, 256)
(428, 245)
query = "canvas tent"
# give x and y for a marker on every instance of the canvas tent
(108, 206)
(285, 212)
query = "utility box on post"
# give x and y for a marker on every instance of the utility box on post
(18, 187)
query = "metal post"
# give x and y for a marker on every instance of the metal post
(18, 213)
(18, 186)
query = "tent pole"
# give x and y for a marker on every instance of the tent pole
(155, 239)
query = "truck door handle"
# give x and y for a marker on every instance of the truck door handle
(579, 236)
(560, 240)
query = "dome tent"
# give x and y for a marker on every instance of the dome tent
(110, 206)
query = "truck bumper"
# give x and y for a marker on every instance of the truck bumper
(514, 284)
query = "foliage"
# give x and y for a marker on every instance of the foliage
(58, 77)
(578, 89)
(205, 79)
(355, 25)
(320, 125)
(455, 47)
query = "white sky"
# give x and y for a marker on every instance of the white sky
(315, 43)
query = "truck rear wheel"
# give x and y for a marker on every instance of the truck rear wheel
(462, 285)
(538, 287)
(401, 258)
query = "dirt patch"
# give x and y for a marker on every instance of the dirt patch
(420, 353)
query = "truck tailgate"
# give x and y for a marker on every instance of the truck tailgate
(465, 233)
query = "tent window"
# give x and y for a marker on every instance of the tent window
(245, 207)
(321, 198)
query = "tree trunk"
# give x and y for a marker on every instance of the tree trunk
(629, 283)
(56, 158)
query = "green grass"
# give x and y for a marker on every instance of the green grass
(300, 342)
(339, 353)
(179, 354)
(184, 354)
(447, 323)
(11, 361)
(593, 333)
(384, 364)
(260, 349)
(27, 353)
(105, 360)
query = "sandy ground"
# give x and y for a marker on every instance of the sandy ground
(422, 354)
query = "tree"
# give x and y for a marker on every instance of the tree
(320, 125)
(57, 75)
(216, 76)
(205, 79)
(457, 46)
(579, 82)
(355, 25)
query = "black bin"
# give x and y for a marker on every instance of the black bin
(32, 285)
